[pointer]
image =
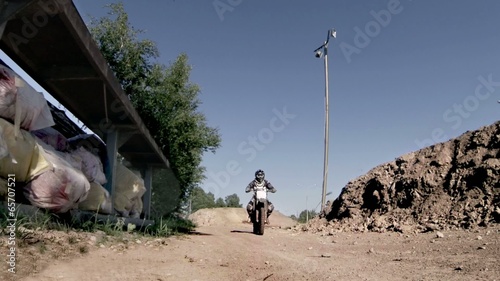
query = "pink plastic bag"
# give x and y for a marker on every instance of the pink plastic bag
(59, 189)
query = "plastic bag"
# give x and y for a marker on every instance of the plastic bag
(22, 156)
(98, 200)
(3, 188)
(128, 188)
(137, 207)
(91, 165)
(52, 137)
(27, 106)
(8, 89)
(59, 189)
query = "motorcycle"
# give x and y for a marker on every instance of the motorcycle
(259, 214)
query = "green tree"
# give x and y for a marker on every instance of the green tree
(130, 58)
(220, 203)
(201, 200)
(163, 96)
(179, 125)
(166, 192)
(306, 215)
(233, 201)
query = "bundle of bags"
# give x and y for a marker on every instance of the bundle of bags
(57, 177)
(53, 182)
(88, 165)
(127, 197)
(61, 181)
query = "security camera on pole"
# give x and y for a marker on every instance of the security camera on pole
(322, 51)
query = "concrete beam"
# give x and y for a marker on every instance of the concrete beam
(110, 169)
(10, 8)
(66, 73)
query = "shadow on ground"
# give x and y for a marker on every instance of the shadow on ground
(242, 231)
(199, 233)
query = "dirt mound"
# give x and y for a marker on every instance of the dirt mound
(234, 216)
(450, 185)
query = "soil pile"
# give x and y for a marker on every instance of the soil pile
(450, 185)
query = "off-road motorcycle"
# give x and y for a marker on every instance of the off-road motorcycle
(259, 213)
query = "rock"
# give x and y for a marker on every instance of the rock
(327, 255)
(439, 234)
(431, 227)
(479, 237)
(371, 251)
(481, 248)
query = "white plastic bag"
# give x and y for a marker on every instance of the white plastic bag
(8, 89)
(91, 165)
(29, 109)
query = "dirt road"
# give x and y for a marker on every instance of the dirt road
(228, 251)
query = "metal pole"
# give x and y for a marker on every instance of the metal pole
(320, 201)
(307, 212)
(325, 164)
(331, 33)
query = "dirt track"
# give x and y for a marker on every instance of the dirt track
(228, 251)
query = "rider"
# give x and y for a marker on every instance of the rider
(259, 181)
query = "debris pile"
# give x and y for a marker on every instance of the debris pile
(450, 185)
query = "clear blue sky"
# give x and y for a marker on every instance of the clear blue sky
(394, 83)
